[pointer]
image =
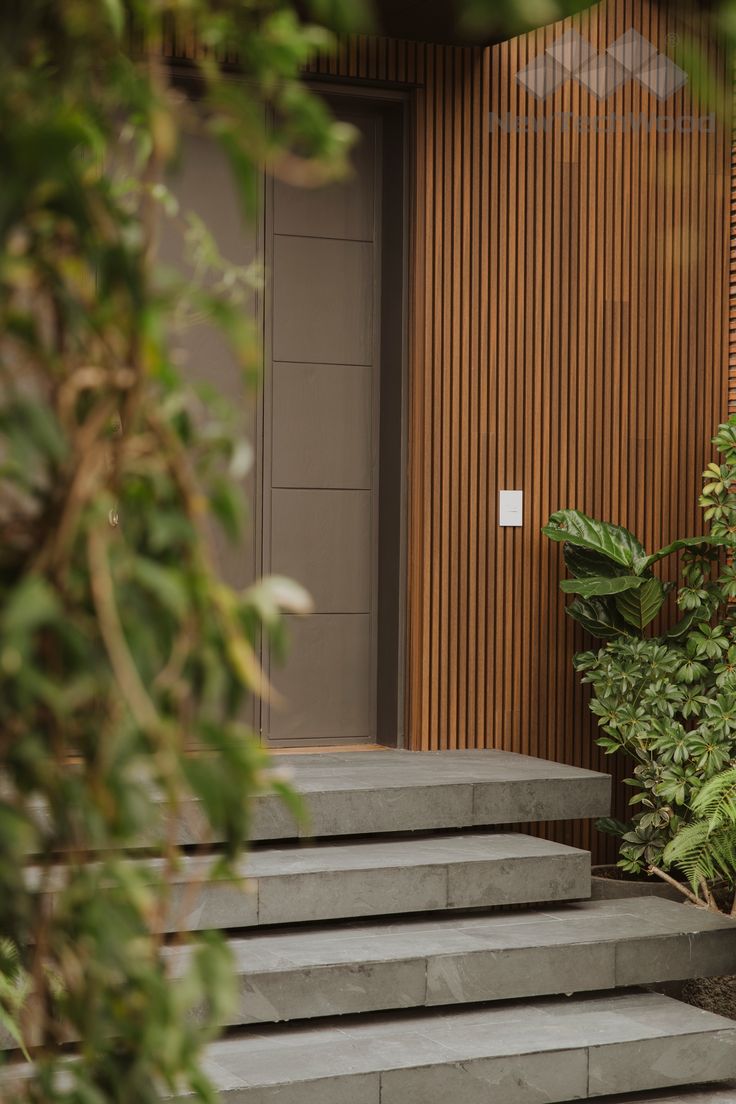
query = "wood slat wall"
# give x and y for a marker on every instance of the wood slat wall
(569, 336)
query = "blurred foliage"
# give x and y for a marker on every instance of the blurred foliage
(120, 647)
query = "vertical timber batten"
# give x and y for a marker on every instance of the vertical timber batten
(569, 336)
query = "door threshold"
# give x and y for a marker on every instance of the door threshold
(326, 749)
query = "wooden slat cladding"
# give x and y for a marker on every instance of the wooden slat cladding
(569, 336)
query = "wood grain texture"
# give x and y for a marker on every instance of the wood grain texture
(569, 336)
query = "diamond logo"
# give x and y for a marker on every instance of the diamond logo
(542, 76)
(602, 76)
(571, 51)
(630, 57)
(662, 77)
(631, 50)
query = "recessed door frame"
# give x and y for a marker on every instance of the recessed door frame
(391, 322)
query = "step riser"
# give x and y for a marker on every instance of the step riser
(335, 970)
(387, 793)
(434, 808)
(446, 980)
(392, 792)
(547, 1052)
(331, 895)
(564, 1076)
(700, 1094)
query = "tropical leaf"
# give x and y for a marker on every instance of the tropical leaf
(676, 546)
(583, 563)
(682, 627)
(612, 541)
(593, 588)
(597, 617)
(641, 605)
(611, 826)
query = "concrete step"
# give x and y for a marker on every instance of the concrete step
(698, 1094)
(338, 969)
(513, 1053)
(380, 877)
(353, 793)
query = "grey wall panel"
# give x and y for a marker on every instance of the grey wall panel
(340, 210)
(321, 442)
(203, 185)
(322, 300)
(324, 686)
(324, 539)
(322, 425)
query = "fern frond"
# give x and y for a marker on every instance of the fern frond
(716, 802)
(704, 853)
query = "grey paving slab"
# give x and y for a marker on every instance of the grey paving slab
(451, 959)
(356, 793)
(380, 877)
(515, 1053)
(297, 883)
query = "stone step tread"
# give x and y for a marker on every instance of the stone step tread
(514, 1053)
(353, 793)
(298, 884)
(344, 880)
(333, 970)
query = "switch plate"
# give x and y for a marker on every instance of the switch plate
(510, 507)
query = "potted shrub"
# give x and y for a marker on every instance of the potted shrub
(666, 700)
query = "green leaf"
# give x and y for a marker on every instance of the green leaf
(167, 584)
(639, 607)
(583, 563)
(611, 826)
(676, 546)
(116, 15)
(681, 627)
(597, 618)
(612, 541)
(31, 604)
(592, 588)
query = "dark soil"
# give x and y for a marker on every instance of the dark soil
(616, 874)
(715, 994)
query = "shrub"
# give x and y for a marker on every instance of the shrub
(668, 700)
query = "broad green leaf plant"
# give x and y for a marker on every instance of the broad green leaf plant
(121, 648)
(666, 700)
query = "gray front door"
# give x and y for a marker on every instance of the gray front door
(320, 445)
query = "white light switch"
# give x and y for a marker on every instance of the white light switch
(510, 507)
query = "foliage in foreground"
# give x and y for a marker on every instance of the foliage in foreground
(665, 701)
(120, 647)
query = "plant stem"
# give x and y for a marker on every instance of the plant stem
(692, 897)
